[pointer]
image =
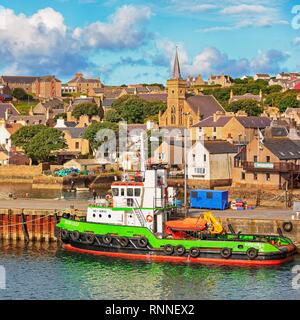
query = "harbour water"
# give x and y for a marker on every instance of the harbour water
(50, 272)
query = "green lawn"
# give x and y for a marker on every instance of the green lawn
(24, 107)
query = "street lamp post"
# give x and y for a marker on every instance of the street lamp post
(185, 163)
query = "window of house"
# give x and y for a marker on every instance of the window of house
(268, 177)
(194, 157)
(76, 145)
(268, 159)
(255, 176)
(161, 156)
(204, 158)
(215, 129)
(243, 176)
(255, 158)
(6, 141)
(130, 192)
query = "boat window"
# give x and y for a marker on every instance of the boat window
(129, 202)
(100, 215)
(137, 192)
(130, 192)
(109, 215)
(122, 192)
(194, 194)
(115, 192)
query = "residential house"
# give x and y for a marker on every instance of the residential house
(268, 163)
(248, 96)
(236, 128)
(42, 87)
(210, 163)
(75, 142)
(222, 80)
(262, 76)
(84, 85)
(195, 81)
(6, 131)
(7, 109)
(52, 107)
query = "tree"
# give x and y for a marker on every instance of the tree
(251, 107)
(38, 141)
(289, 101)
(21, 94)
(89, 109)
(61, 115)
(91, 132)
(133, 109)
(282, 100)
(24, 135)
(42, 145)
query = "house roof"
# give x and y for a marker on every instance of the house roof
(75, 133)
(209, 122)
(107, 102)
(205, 105)
(247, 96)
(78, 101)
(4, 107)
(35, 119)
(254, 122)
(283, 148)
(154, 96)
(220, 147)
(19, 79)
(14, 127)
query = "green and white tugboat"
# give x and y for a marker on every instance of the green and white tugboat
(134, 223)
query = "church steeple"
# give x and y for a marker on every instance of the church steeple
(176, 68)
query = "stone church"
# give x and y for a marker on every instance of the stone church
(183, 109)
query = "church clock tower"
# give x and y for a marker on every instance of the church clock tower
(176, 89)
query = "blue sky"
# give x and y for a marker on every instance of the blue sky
(134, 41)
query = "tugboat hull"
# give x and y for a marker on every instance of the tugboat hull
(130, 249)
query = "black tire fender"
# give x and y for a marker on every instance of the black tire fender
(194, 252)
(226, 253)
(124, 242)
(107, 239)
(180, 250)
(75, 235)
(64, 234)
(252, 253)
(142, 242)
(169, 249)
(89, 238)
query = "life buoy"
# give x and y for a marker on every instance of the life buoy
(66, 215)
(226, 253)
(180, 250)
(168, 249)
(142, 242)
(75, 235)
(287, 226)
(194, 252)
(149, 218)
(108, 197)
(124, 242)
(252, 253)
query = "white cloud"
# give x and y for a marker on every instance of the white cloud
(246, 9)
(213, 61)
(42, 43)
(296, 41)
(123, 30)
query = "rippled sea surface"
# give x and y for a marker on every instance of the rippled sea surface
(49, 272)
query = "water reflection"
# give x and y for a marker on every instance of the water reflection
(43, 272)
